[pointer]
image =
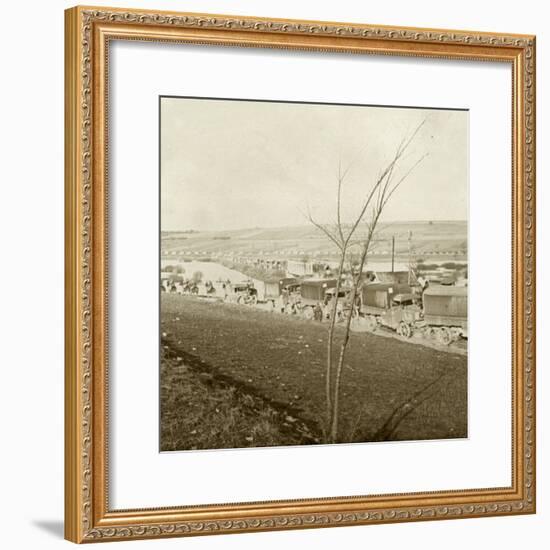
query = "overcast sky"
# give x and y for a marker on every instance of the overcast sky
(240, 164)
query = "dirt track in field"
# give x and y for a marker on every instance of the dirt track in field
(391, 390)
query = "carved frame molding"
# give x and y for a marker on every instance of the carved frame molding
(88, 32)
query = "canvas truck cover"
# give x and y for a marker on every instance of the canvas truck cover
(380, 295)
(315, 289)
(446, 302)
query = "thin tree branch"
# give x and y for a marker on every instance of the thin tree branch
(324, 230)
(405, 176)
(339, 201)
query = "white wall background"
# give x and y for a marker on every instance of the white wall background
(31, 278)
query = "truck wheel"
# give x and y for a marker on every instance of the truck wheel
(372, 323)
(444, 336)
(404, 330)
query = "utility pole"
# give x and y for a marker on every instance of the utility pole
(410, 258)
(392, 252)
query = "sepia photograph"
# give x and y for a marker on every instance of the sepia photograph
(313, 273)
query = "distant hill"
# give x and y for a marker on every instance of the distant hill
(427, 239)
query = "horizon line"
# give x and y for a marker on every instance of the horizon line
(389, 222)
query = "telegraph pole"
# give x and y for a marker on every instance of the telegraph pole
(410, 257)
(392, 252)
(412, 261)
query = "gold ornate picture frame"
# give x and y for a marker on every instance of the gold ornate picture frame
(89, 33)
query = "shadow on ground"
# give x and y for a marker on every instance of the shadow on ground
(52, 527)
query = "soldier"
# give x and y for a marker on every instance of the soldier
(327, 309)
(281, 303)
(339, 309)
(285, 297)
(318, 312)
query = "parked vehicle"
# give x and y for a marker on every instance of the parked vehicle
(441, 312)
(393, 305)
(313, 292)
(343, 294)
(343, 304)
(293, 291)
(243, 293)
(274, 288)
(287, 282)
(446, 312)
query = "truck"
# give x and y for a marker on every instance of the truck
(272, 290)
(243, 293)
(440, 312)
(313, 292)
(392, 305)
(275, 287)
(445, 311)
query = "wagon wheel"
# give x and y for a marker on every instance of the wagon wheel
(240, 299)
(253, 300)
(444, 336)
(404, 330)
(307, 313)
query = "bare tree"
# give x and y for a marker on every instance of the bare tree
(347, 238)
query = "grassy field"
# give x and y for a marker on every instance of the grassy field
(201, 411)
(436, 236)
(233, 376)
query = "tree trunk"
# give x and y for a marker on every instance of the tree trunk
(336, 401)
(328, 381)
(340, 365)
